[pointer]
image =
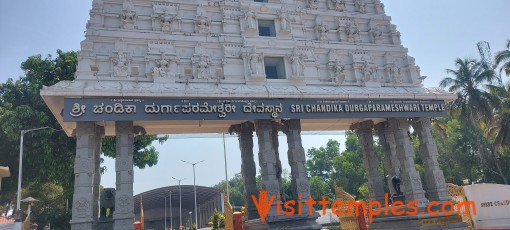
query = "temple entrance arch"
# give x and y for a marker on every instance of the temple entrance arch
(316, 114)
(157, 67)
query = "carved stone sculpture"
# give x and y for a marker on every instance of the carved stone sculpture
(395, 34)
(314, 4)
(338, 5)
(202, 24)
(375, 32)
(369, 71)
(121, 64)
(251, 21)
(338, 72)
(201, 66)
(296, 60)
(161, 66)
(166, 22)
(255, 62)
(322, 32)
(360, 5)
(379, 6)
(97, 6)
(352, 31)
(128, 16)
(396, 72)
(284, 21)
(107, 201)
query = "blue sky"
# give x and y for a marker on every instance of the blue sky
(435, 32)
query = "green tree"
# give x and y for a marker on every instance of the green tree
(320, 161)
(499, 127)
(503, 58)
(51, 207)
(48, 154)
(320, 188)
(473, 105)
(497, 130)
(363, 192)
(235, 188)
(458, 153)
(144, 154)
(349, 172)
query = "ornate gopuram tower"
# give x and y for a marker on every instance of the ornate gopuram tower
(249, 68)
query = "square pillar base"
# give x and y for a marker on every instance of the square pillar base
(294, 222)
(420, 221)
(399, 197)
(104, 224)
(123, 224)
(82, 225)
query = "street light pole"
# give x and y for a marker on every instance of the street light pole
(190, 220)
(180, 201)
(171, 217)
(165, 210)
(30, 200)
(18, 199)
(226, 174)
(194, 186)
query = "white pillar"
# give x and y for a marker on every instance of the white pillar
(267, 160)
(387, 142)
(411, 181)
(83, 197)
(297, 161)
(248, 168)
(434, 177)
(123, 215)
(370, 160)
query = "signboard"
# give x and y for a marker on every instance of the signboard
(492, 205)
(123, 109)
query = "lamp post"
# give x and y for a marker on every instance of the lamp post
(18, 199)
(170, 207)
(199, 223)
(165, 210)
(225, 156)
(194, 185)
(190, 220)
(180, 201)
(30, 200)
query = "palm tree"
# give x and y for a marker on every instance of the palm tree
(498, 129)
(499, 126)
(440, 126)
(503, 57)
(472, 105)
